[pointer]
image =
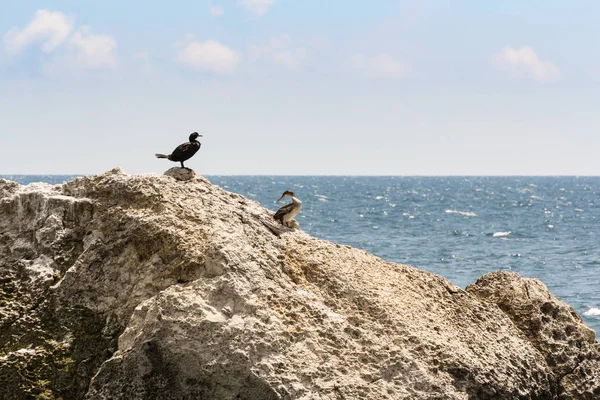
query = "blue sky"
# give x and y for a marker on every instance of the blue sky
(301, 87)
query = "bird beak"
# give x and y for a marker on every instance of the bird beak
(281, 198)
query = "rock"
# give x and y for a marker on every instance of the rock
(552, 326)
(144, 287)
(181, 174)
(7, 187)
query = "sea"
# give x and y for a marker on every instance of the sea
(546, 228)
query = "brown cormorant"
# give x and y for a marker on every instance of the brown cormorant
(287, 213)
(184, 151)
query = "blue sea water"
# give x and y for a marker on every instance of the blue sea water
(459, 227)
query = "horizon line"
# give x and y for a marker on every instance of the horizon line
(340, 175)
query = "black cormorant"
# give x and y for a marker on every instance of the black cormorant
(287, 213)
(184, 151)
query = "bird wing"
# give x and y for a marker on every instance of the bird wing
(283, 210)
(184, 151)
(181, 149)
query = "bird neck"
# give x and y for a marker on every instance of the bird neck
(296, 200)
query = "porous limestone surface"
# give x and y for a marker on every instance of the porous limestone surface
(552, 326)
(122, 286)
(181, 174)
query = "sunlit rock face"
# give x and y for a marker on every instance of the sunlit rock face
(156, 287)
(552, 326)
(180, 174)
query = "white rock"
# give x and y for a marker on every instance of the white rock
(180, 290)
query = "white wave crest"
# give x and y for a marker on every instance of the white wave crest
(592, 312)
(501, 234)
(465, 213)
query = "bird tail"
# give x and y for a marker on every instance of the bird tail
(161, 156)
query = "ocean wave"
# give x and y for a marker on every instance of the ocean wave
(593, 311)
(461, 233)
(501, 234)
(465, 213)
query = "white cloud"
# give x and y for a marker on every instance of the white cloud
(50, 28)
(525, 59)
(217, 11)
(280, 50)
(208, 55)
(380, 66)
(258, 7)
(93, 51)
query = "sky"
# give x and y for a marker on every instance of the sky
(311, 87)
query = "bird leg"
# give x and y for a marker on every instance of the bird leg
(182, 166)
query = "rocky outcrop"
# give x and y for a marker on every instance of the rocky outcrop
(553, 328)
(154, 287)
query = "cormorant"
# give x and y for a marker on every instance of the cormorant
(184, 151)
(287, 213)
